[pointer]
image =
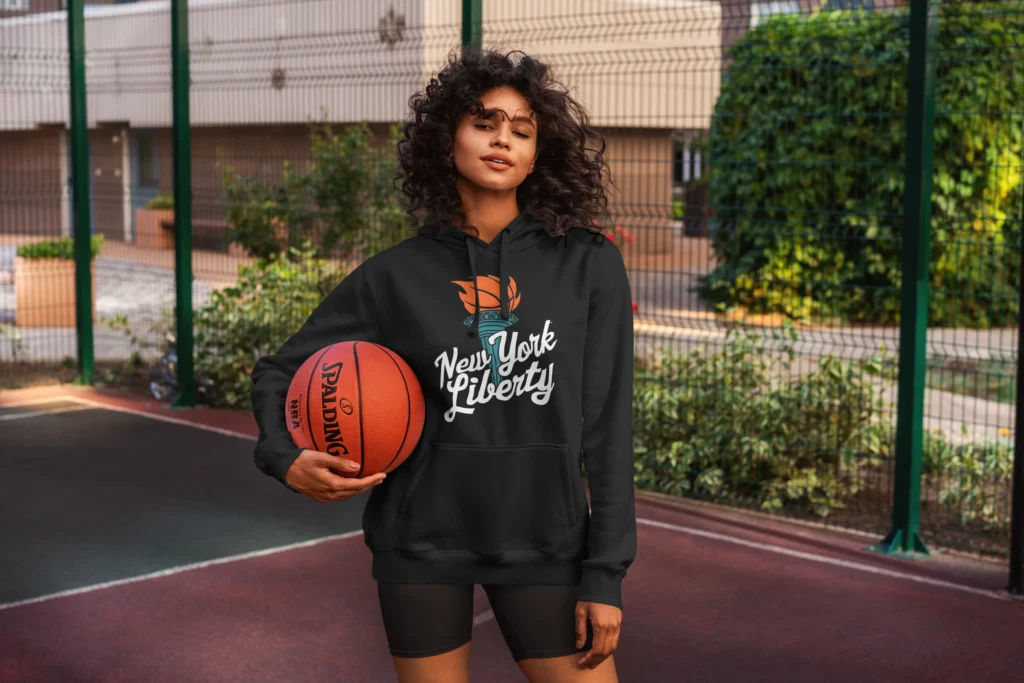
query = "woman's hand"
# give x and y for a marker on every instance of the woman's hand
(325, 477)
(606, 621)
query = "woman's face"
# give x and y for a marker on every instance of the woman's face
(509, 133)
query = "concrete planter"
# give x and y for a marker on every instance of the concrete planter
(149, 231)
(44, 292)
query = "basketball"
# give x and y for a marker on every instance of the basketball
(359, 401)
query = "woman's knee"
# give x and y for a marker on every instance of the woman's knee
(451, 666)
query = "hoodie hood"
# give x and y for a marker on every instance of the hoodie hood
(522, 232)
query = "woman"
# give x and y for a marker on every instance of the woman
(515, 313)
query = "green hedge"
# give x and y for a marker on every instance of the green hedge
(735, 423)
(807, 162)
(63, 248)
(160, 202)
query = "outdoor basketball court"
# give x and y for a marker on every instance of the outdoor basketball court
(141, 543)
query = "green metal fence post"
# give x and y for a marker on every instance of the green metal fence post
(1016, 586)
(472, 23)
(904, 538)
(81, 200)
(182, 204)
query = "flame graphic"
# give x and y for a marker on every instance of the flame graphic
(490, 297)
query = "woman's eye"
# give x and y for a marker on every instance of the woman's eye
(484, 126)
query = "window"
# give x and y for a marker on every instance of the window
(764, 9)
(14, 4)
(686, 164)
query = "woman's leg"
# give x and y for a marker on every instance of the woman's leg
(428, 628)
(566, 670)
(449, 667)
(539, 626)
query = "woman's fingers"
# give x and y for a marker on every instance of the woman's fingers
(605, 621)
(596, 654)
(346, 487)
(331, 485)
(581, 625)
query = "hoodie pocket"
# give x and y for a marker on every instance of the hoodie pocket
(489, 500)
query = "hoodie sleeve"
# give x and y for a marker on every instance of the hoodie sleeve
(346, 314)
(608, 429)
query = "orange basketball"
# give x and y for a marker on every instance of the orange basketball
(359, 401)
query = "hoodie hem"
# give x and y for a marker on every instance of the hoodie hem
(456, 567)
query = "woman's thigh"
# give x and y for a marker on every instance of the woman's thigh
(538, 622)
(424, 620)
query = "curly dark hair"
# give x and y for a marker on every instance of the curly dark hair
(566, 187)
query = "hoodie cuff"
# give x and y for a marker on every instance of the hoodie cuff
(277, 457)
(598, 585)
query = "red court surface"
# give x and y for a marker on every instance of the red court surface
(714, 595)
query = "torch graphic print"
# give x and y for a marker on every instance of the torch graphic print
(491, 321)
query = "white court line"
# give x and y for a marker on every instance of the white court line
(87, 403)
(486, 616)
(178, 570)
(164, 418)
(39, 413)
(483, 618)
(823, 559)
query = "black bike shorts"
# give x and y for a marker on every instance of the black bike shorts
(422, 620)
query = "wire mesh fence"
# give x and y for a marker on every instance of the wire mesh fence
(971, 363)
(758, 156)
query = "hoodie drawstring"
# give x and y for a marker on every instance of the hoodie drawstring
(502, 275)
(471, 248)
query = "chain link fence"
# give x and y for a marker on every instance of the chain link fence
(758, 153)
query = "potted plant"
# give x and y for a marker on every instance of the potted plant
(44, 282)
(149, 231)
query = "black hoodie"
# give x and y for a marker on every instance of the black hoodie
(493, 492)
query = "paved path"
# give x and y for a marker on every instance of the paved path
(123, 286)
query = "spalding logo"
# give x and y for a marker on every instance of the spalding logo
(333, 441)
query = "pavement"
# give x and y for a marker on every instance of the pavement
(181, 561)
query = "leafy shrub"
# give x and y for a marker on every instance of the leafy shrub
(972, 478)
(733, 423)
(808, 156)
(344, 201)
(63, 248)
(160, 202)
(254, 317)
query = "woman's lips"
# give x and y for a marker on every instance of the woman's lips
(496, 165)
